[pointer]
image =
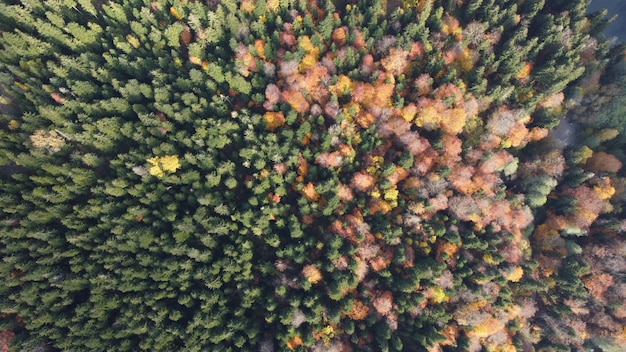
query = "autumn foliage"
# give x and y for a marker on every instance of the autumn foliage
(307, 176)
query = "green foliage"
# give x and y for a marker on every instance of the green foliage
(233, 175)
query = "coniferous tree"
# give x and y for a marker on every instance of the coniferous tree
(295, 174)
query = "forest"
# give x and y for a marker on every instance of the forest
(311, 175)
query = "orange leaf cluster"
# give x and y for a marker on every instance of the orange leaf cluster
(379, 205)
(259, 47)
(339, 36)
(525, 71)
(451, 333)
(451, 150)
(358, 310)
(453, 120)
(311, 273)
(515, 274)
(496, 162)
(377, 264)
(448, 248)
(246, 61)
(396, 62)
(296, 100)
(383, 91)
(597, 285)
(591, 202)
(362, 181)
(461, 179)
(432, 116)
(603, 162)
(344, 231)
(303, 168)
(408, 112)
(421, 4)
(398, 175)
(273, 120)
(343, 85)
(604, 190)
(294, 342)
(310, 193)
(450, 25)
(364, 119)
(486, 328)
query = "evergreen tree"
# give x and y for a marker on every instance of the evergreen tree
(296, 174)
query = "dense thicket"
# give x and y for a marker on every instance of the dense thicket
(307, 175)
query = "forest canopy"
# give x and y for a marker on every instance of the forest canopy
(302, 175)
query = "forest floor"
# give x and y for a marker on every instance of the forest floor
(615, 7)
(565, 133)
